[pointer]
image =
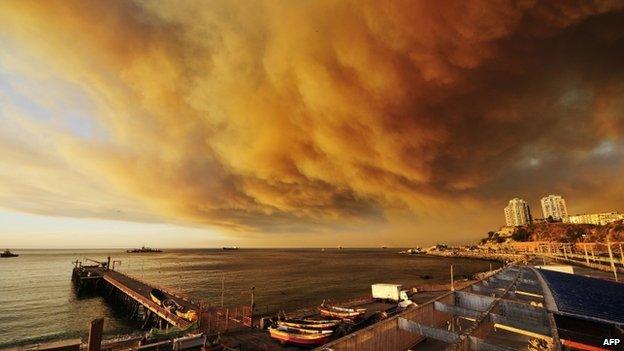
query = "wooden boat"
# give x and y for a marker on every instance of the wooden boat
(161, 299)
(341, 312)
(173, 306)
(8, 253)
(300, 337)
(158, 297)
(188, 314)
(310, 323)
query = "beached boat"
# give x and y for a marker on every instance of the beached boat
(158, 296)
(8, 253)
(173, 306)
(161, 299)
(341, 312)
(310, 323)
(188, 314)
(300, 337)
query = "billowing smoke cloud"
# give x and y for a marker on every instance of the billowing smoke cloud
(295, 115)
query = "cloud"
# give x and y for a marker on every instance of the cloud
(295, 116)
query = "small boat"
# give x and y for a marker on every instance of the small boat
(161, 299)
(188, 314)
(300, 337)
(143, 249)
(341, 312)
(310, 323)
(8, 253)
(173, 306)
(227, 248)
(158, 297)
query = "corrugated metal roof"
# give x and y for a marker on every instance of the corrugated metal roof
(586, 296)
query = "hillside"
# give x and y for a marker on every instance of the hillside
(562, 232)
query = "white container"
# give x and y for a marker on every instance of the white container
(392, 292)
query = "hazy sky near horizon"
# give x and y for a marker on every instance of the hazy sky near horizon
(302, 123)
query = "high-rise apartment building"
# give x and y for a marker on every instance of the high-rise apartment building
(554, 206)
(517, 213)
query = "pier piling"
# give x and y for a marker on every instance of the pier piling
(96, 329)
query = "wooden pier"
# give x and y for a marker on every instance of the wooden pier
(131, 294)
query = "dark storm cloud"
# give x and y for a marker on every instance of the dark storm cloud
(288, 115)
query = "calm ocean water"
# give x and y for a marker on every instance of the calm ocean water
(37, 301)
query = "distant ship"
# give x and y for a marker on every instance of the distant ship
(8, 253)
(143, 249)
(230, 248)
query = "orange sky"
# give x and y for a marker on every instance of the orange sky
(303, 123)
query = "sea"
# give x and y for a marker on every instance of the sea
(38, 302)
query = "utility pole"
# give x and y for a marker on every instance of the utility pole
(611, 259)
(592, 252)
(586, 256)
(222, 288)
(253, 304)
(452, 281)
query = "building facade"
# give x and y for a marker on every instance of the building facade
(517, 213)
(596, 218)
(554, 206)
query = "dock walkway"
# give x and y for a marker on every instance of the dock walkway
(131, 291)
(140, 292)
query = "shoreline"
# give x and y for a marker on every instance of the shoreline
(425, 288)
(500, 257)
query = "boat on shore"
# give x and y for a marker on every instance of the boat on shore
(161, 299)
(143, 249)
(341, 312)
(299, 336)
(314, 324)
(188, 314)
(227, 248)
(8, 253)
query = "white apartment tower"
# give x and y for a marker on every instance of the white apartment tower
(517, 213)
(554, 206)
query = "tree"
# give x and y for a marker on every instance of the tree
(521, 234)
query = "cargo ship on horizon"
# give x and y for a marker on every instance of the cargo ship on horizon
(143, 249)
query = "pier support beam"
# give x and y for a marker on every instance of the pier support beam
(96, 329)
